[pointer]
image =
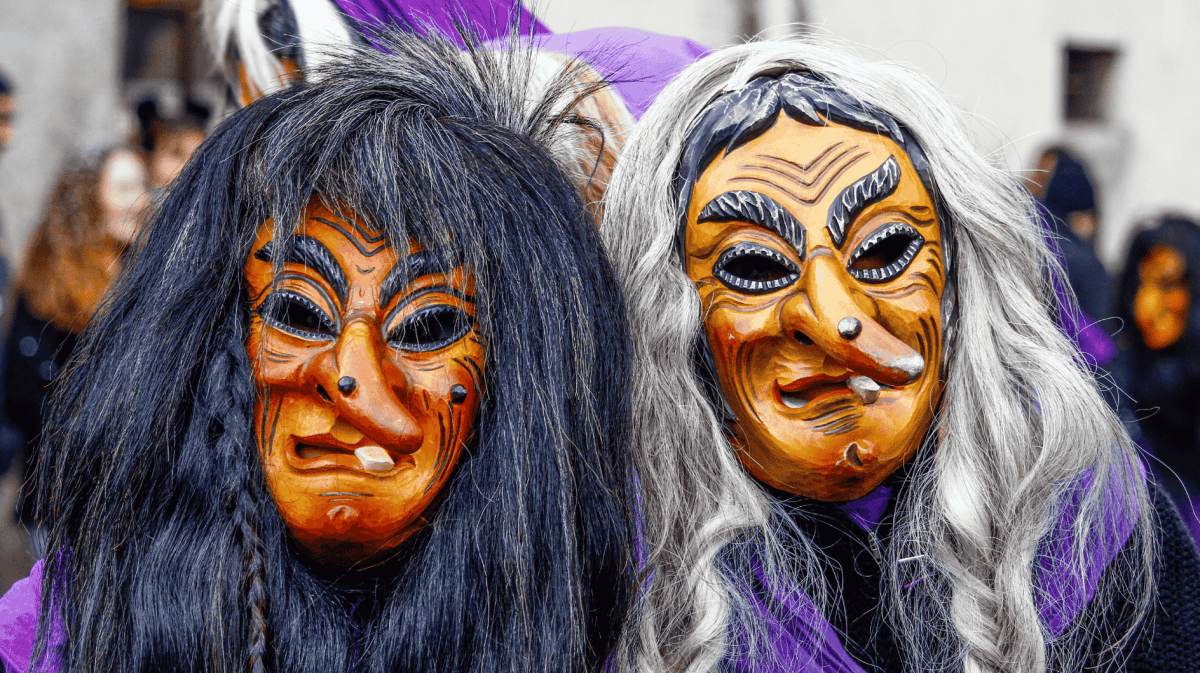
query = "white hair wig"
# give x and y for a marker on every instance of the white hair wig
(315, 29)
(1022, 438)
(258, 34)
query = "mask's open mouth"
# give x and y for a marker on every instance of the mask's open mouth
(800, 393)
(797, 399)
(312, 453)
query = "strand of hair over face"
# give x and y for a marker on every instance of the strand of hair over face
(1021, 430)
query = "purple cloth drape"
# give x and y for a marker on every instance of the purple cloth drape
(18, 625)
(638, 64)
(491, 19)
(801, 640)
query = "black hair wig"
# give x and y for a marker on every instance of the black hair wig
(166, 551)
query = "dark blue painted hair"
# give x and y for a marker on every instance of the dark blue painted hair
(166, 551)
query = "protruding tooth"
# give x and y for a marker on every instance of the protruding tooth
(865, 387)
(374, 459)
(792, 401)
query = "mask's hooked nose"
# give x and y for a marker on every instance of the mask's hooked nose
(365, 397)
(840, 328)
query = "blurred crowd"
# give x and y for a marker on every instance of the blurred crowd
(1140, 328)
(99, 202)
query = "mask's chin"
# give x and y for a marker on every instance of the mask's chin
(839, 468)
(338, 554)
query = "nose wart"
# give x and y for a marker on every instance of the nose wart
(849, 327)
(347, 384)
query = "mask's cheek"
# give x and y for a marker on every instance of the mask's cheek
(916, 320)
(736, 332)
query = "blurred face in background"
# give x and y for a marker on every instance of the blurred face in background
(122, 193)
(1160, 307)
(6, 117)
(172, 149)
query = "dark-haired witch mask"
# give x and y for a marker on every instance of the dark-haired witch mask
(369, 366)
(817, 254)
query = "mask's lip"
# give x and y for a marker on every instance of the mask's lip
(334, 454)
(805, 390)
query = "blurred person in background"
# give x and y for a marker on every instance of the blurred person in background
(10, 438)
(268, 45)
(1159, 363)
(169, 141)
(6, 112)
(91, 219)
(1061, 185)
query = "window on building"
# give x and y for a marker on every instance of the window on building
(1088, 78)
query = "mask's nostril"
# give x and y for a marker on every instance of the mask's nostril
(347, 384)
(802, 338)
(324, 395)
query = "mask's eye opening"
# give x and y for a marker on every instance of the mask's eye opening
(886, 253)
(431, 328)
(297, 315)
(754, 269)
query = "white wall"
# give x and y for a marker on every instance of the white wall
(62, 58)
(1003, 61)
(710, 22)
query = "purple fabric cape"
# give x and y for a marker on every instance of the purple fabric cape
(801, 640)
(636, 63)
(18, 624)
(490, 19)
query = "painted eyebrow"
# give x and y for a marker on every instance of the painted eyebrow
(309, 252)
(871, 188)
(755, 208)
(414, 266)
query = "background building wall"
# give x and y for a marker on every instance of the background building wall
(1003, 62)
(63, 58)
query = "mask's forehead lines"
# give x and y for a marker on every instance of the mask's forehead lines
(368, 243)
(807, 182)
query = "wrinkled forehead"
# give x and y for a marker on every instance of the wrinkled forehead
(824, 177)
(327, 237)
